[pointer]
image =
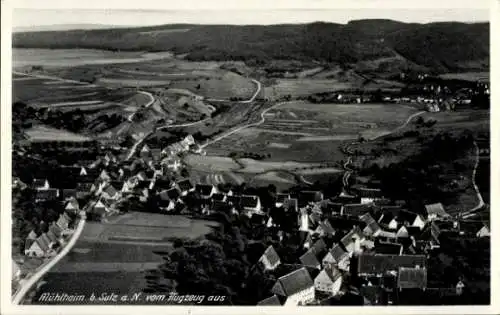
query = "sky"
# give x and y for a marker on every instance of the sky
(29, 13)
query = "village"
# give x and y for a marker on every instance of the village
(356, 243)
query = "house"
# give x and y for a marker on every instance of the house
(165, 202)
(145, 151)
(100, 208)
(84, 189)
(328, 281)
(280, 198)
(104, 176)
(412, 278)
(355, 210)
(369, 195)
(251, 204)
(305, 197)
(324, 228)
(297, 288)
(37, 248)
(337, 257)
(57, 231)
(63, 221)
(270, 259)
(32, 235)
(110, 193)
(484, 232)
(83, 171)
(344, 198)
(173, 194)
(372, 228)
(219, 197)
(16, 271)
(48, 194)
(219, 206)
(388, 221)
(68, 194)
(206, 191)
(402, 232)
(309, 259)
(307, 240)
(185, 187)
(172, 164)
(380, 264)
(319, 248)
(272, 300)
(352, 241)
(408, 218)
(40, 184)
(72, 206)
(435, 211)
(388, 248)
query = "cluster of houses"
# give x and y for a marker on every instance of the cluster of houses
(47, 243)
(362, 238)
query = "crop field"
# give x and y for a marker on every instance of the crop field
(43, 133)
(467, 76)
(115, 256)
(305, 132)
(304, 87)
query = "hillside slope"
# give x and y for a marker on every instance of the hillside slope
(442, 46)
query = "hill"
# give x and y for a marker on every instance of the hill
(62, 27)
(441, 46)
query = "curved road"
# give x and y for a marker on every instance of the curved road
(26, 286)
(251, 99)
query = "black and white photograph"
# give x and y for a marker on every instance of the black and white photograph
(177, 154)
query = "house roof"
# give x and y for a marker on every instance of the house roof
(388, 248)
(326, 227)
(221, 206)
(72, 204)
(319, 248)
(218, 196)
(307, 196)
(235, 200)
(346, 199)
(406, 216)
(348, 238)
(271, 255)
(282, 197)
(381, 263)
(355, 210)
(68, 193)
(272, 300)
(412, 278)
(203, 189)
(248, 201)
(329, 274)
(185, 185)
(52, 236)
(55, 229)
(32, 235)
(294, 282)
(369, 193)
(337, 253)
(436, 209)
(110, 190)
(44, 242)
(309, 259)
(386, 219)
(48, 194)
(84, 187)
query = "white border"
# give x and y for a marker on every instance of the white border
(5, 262)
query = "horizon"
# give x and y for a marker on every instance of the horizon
(46, 18)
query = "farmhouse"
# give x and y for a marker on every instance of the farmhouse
(355, 210)
(68, 194)
(72, 206)
(110, 193)
(270, 259)
(272, 300)
(297, 287)
(291, 205)
(165, 202)
(380, 264)
(305, 197)
(324, 228)
(84, 189)
(329, 281)
(369, 195)
(352, 241)
(280, 198)
(36, 248)
(372, 228)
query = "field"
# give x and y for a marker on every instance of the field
(467, 76)
(44, 133)
(305, 132)
(115, 256)
(74, 57)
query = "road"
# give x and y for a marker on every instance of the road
(480, 203)
(260, 122)
(40, 76)
(151, 102)
(28, 284)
